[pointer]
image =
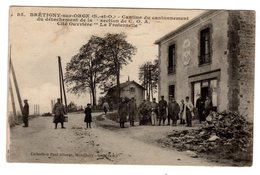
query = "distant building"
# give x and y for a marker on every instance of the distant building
(212, 55)
(129, 89)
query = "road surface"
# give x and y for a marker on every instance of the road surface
(104, 143)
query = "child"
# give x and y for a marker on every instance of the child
(88, 117)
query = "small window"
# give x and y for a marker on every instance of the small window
(205, 47)
(132, 89)
(171, 59)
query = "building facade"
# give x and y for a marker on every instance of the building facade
(129, 89)
(211, 55)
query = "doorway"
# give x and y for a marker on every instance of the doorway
(205, 88)
(204, 93)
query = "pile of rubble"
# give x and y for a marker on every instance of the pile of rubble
(225, 133)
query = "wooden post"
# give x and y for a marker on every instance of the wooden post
(62, 87)
(12, 100)
(59, 63)
(16, 86)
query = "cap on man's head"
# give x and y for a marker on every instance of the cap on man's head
(25, 100)
(162, 96)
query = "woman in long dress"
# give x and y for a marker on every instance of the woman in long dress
(188, 111)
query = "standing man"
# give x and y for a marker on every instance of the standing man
(154, 111)
(25, 113)
(58, 111)
(122, 112)
(105, 107)
(141, 110)
(132, 111)
(88, 115)
(208, 106)
(162, 110)
(200, 108)
(173, 111)
(188, 111)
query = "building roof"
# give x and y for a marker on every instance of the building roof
(127, 83)
(186, 25)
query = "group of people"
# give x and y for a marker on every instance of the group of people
(148, 112)
(204, 106)
(156, 113)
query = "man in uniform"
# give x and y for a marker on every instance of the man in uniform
(132, 111)
(173, 111)
(162, 110)
(58, 111)
(25, 113)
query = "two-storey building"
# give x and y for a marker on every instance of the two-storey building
(211, 55)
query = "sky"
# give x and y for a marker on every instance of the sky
(35, 46)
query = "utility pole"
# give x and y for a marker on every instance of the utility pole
(62, 87)
(16, 86)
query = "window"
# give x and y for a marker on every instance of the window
(171, 59)
(171, 91)
(205, 47)
(132, 90)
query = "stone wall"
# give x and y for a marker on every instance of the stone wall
(241, 58)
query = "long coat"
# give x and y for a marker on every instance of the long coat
(122, 111)
(58, 111)
(25, 111)
(88, 116)
(173, 110)
(162, 108)
(188, 110)
(132, 110)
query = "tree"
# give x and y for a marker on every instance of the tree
(117, 52)
(148, 76)
(72, 107)
(84, 71)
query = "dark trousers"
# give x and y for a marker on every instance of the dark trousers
(174, 119)
(105, 110)
(189, 118)
(25, 121)
(169, 117)
(62, 125)
(162, 118)
(201, 115)
(122, 124)
(88, 124)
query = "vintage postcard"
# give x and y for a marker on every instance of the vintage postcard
(131, 86)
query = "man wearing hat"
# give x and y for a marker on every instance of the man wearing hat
(162, 110)
(25, 113)
(173, 111)
(58, 111)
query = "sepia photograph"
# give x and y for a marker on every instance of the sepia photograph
(130, 86)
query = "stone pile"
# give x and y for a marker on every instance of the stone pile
(225, 133)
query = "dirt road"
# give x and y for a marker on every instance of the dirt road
(105, 143)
